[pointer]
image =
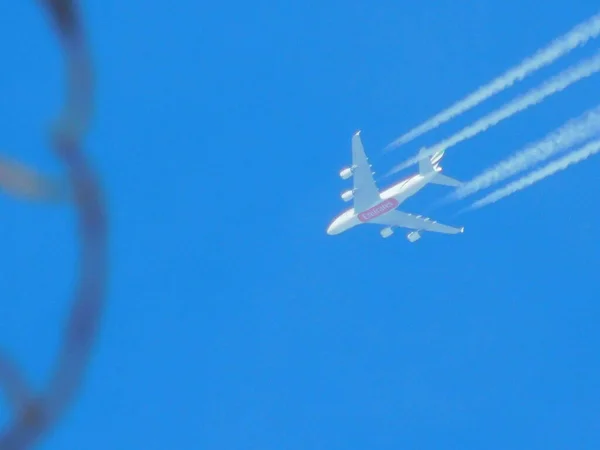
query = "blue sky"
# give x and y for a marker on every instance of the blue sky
(234, 321)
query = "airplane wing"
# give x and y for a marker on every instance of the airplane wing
(366, 192)
(405, 220)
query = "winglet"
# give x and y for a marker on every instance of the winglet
(357, 133)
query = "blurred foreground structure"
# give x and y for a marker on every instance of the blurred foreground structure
(33, 414)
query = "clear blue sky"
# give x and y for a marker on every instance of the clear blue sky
(234, 321)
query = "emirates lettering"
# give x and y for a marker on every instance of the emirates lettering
(378, 210)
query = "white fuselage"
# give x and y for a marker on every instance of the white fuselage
(390, 199)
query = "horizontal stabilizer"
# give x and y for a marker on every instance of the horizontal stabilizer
(445, 180)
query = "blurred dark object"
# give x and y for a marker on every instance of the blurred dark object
(21, 182)
(35, 413)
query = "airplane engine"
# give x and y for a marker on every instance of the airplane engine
(413, 236)
(386, 232)
(346, 173)
(347, 195)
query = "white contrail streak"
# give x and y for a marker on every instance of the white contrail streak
(556, 166)
(561, 46)
(572, 133)
(556, 84)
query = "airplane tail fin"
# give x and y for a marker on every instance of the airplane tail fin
(428, 164)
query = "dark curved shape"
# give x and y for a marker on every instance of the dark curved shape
(34, 414)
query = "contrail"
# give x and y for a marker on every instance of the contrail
(550, 169)
(572, 133)
(579, 35)
(556, 84)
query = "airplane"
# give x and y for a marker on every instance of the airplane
(375, 207)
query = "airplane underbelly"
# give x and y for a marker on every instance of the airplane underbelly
(402, 196)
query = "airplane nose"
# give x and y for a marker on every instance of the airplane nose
(333, 228)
